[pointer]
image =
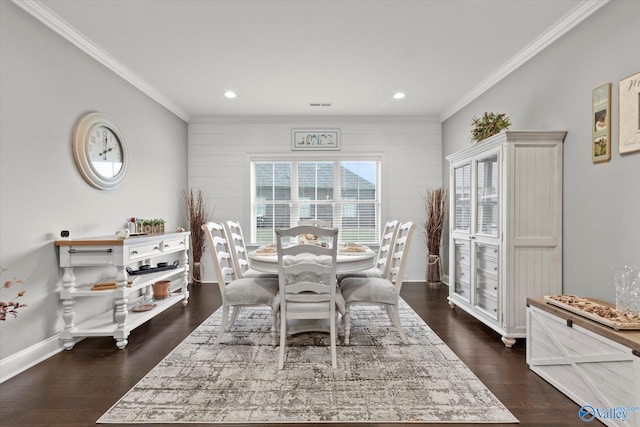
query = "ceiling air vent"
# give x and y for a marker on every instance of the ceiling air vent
(320, 104)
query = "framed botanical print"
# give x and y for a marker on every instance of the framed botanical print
(601, 123)
(629, 114)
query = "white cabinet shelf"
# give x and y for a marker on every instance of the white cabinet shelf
(506, 227)
(121, 253)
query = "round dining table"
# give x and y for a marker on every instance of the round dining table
(347, 262)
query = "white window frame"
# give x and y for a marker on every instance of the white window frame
(318, 157)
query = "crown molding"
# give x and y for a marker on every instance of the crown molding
(564, 25)
(42, 13)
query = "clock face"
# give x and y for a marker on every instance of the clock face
(99, 151)
(105, 152)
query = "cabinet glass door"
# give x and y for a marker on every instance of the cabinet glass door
(462, 201)
(487, 208)
(462, 269)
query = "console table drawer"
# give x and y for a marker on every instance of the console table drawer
(175, 245)
(144, 251)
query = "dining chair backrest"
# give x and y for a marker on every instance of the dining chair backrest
(221, 256)
(399, 253)
(307, 267)
(238, 247)
(316, 223)
(386, 245)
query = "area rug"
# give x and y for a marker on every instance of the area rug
(378, 379)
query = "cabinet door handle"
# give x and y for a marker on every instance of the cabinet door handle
(134, 252)
(156, 248)
(166, 246)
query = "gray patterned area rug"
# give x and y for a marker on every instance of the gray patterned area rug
(378, 378)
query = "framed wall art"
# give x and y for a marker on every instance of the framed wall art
(601, 123)
(629, 114)
(328, 139)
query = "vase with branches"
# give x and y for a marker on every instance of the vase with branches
(436, 209)
(197, 214)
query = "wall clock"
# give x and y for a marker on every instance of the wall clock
(99, 151)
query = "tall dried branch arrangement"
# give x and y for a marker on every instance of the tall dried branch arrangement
(197, 214)
(436, 205)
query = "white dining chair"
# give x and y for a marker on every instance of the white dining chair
(307, 278)
(239, 253)
(381, 266)
(376, 291)
(236, 292)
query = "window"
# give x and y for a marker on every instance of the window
(346, 194)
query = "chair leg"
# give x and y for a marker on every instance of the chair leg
(283, 338)
(234, 316)
(395, 319)
(347, 325)
(223, 324)
(333, 334)
(274, 323)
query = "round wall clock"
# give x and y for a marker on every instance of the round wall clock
(99, 151)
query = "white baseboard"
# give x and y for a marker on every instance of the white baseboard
(31, 356)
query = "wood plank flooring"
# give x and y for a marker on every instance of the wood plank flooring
(74, 388)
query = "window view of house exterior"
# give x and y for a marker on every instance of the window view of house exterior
(346, 194)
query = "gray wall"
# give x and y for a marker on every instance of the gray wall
(553, 92)
(46, 85)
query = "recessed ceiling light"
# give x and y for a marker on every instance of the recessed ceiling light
(399, 95)
(230, 94)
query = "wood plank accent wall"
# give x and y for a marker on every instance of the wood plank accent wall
(219, 152)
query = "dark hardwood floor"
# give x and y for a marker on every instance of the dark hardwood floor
(74, 388)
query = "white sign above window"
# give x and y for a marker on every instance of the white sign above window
(316, 139)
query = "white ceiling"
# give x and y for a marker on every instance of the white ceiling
(281, 55)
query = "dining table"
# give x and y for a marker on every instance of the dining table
(350, 259)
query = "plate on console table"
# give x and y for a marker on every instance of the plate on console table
(144, 307)
(604, 314)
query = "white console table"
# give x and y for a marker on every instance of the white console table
(120, 253)
(595, 366)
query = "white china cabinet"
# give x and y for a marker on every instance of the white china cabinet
(506, 227)
(131, 295)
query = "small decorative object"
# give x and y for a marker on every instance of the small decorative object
(99, 151)
(627, 282)
(143, 307)
(13, 305)
(123, 234)
(436, 207)
(488, 125)
(601, 125)
(197, 214)
(64, 234)
(161, 289)
(629, 114)
(316, 139)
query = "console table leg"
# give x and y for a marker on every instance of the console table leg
(68, 315)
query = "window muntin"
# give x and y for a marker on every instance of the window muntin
(344, 193)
